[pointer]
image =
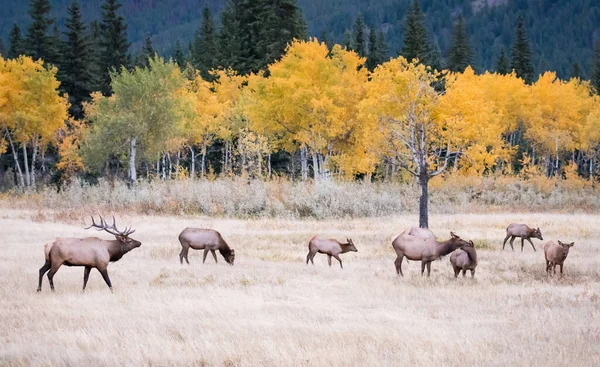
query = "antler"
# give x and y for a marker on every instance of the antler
(103, 226)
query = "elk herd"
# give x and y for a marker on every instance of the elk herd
(417, 244)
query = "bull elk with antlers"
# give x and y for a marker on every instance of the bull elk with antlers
(89, 252)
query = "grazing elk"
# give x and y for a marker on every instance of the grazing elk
(207, 240)
(330, 247)
(464, 259)
(523, 231)
(555, 254)
(422, 232)
(89, 252)
(415, 247)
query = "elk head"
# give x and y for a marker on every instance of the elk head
(537, 233)
(459, 242)
(230, 258)
(566, 246)
(121, 236)
(351, 245)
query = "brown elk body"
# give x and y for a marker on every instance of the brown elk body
(464, 259)
(556, 254)
(330, 247)
(89, 252)
(521, 230)
(207, 240)
(422, 232)
(416, 247)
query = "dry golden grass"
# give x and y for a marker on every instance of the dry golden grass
(272, 309)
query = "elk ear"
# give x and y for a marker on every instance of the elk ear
(232, 251)
(471, 242)
(572, 244)
(453, 235)
(560, 243)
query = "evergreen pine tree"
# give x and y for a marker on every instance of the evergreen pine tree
(576, 71)
(347, 43)
(359, 40)
(228, 38)
(596, 73)
(521, 54)
(146, 53)
(76, 71)
(374, 57)
(436, 60)
(205, 48)
(178, 56)
(95, 52)
(502, 64)
(38, 44)
(282, 21)
(416, 41)
(382, 47)
(2, 49)
(114, 43)
(15, 48)
(324, 38)
(56, 48)
(460, 55)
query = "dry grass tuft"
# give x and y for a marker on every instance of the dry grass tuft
(272, 309)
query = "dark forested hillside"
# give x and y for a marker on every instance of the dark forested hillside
(562, 32)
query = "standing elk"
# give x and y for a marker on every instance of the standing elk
(207, 240)
(329, 247)
(89, 252)
(416, 247)
(464, 259)
(556, 254)
(523, 231)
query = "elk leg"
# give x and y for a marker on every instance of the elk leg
(182, 254)
(43, 271)
(398, 264)
(529, 239)
(422, 267)
(561, 265)
(187, 251)
(106, 278)
(456, 271)
(472, 273)
(205, 254)
(464, 271)
(310, 256)
(506, 239)
(86, 276)
(428, 268)
(214, 255)
(329, 260)
(522, 243)
(338, 259)
(51, 273)
(512, 239)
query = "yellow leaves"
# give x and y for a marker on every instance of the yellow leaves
(30, 106)
(557, 113)
(69, 139)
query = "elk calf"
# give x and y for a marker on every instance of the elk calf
(555, 254)
(89, 252)
(523, 231)
(330, 247)
(464, 259)
(207, 240)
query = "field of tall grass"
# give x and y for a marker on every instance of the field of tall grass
(239, 198)
(271, 309)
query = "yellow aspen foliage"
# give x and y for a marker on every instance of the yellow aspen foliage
(69, 139)
(310, 99)
(557, 113)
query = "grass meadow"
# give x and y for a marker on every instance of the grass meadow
(271, 309)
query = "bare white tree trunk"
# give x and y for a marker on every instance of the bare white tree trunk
(269, 165)
(203, 161)
(315, 166)
(34, 143)
(192, 163)
(170, 175)
(16, 157)
(304, 163)
(132, 168)
(177, 164)
(26, 164)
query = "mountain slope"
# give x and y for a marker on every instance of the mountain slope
(562, 32)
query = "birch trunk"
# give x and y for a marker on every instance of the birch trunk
(316, 170)
(16, 157)
(33, 157)
(192, 163)
(132, 168)
(304, 163)
(26, 164)
(203, 161)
